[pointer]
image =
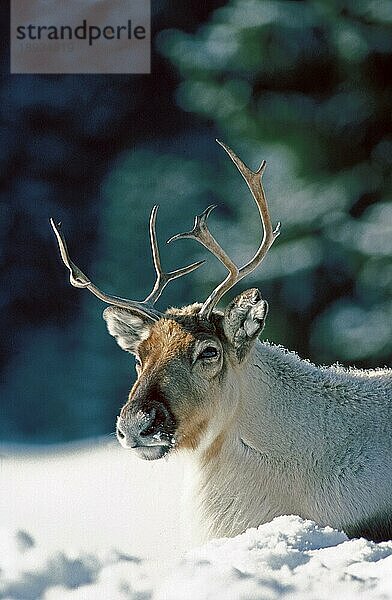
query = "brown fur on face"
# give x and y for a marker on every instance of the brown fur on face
(190, 432)
(176, 333)
(214, 449)
(166, 341)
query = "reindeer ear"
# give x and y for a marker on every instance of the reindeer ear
(127, 327)
(244, 319)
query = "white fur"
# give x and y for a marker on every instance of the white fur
(127, 328)
(304, 440)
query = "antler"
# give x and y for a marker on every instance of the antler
(163, 278)
(201, 233)
(80, 280)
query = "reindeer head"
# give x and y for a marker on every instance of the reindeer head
(188, 359)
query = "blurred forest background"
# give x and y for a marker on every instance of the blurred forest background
(303, 84)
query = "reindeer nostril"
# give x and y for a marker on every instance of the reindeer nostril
(120, 433)
(159, 421)
(151, 425)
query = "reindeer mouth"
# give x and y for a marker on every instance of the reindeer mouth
(153, 452)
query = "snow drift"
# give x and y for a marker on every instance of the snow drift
(94, 524)
(288, 557)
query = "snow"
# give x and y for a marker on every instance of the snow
(92, 522)
(93, 495)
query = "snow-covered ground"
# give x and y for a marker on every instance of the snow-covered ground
(91, 522)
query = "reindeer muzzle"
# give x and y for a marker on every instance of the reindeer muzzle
(150, 433)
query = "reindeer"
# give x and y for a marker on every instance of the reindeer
(266, 433)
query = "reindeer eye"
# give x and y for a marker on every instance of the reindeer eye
(209, 352)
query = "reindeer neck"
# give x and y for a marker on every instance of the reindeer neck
(278, 408)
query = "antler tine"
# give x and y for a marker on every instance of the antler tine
(201, 233)
(163, 278)
(80, 280)
(253, 181)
